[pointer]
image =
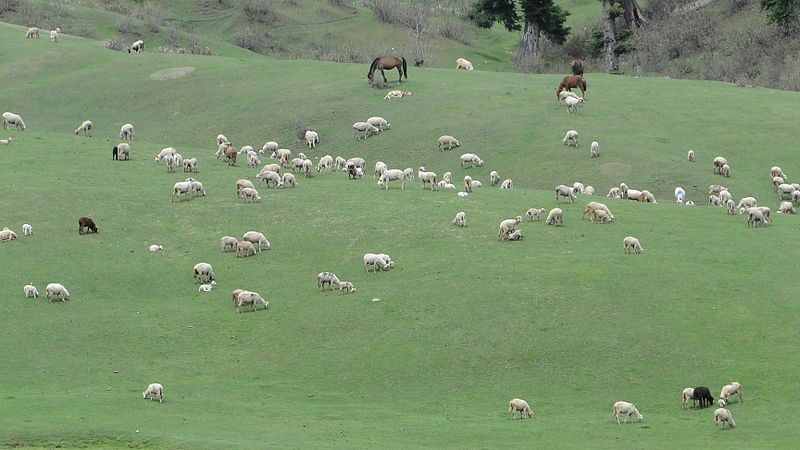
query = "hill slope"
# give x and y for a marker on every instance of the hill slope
(563, 319)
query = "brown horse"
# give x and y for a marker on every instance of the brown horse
(570, 82)
(388, 62)
(577, 67)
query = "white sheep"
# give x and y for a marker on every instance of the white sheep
(170, 162)
(688, 394)
(258, 239)
(136, 47)
(564, 94)
(181, 187)
(578, 187)
(155, 247)
(390, 175)
(32, 33)
(227, 243)
(207, 287)
(730, 206)
(462, 63)
(340, 164)
(632, 244)
(594, 150)
(268, 147)
(427, 177)
(379, 122)
(494, 177)
(306, 168)
(460, 219)
(156, 390)
(346, 287)
(570, 137)
(357, 162)
(288, 180)
(7, 235)
(6, 141)
(785, 189)
(328, 278)
(713, 200)
(564, 191)
(449, 141)
(126, 132)
(252, 159)
(197, 188)
(723, 415)
(474, 184)
(30, 291)
(572, 104)
(628, 409)
(245, 249)
(85, 127)
(54, 34)
(123, 151)
(164, 152)
(409, 173)
(507, 184)
(27, 229)
(377, 261)
(784, 208)
(468, 183)
(364, 127)
(56, 290)
(284, 155)
(776, 171)
(555, 217)
(746, 202)
(507, 226)
(614, 192)
(515, 235)
(10, 118)
(312, 138)
(267, 176)
(589, 190)
(724, 196)
(796, 196)
(517, 404)
(325, 163)
(472, 159)
(719, 161)
(203, 272)
(250, 298)
(690, 155)
(533, 214)
(250, 194)
(380, 167)
(728, 390)
(725, 171)
(591, 207)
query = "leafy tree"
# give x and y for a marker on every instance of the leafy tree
(781, 12)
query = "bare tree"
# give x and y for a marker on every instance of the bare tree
(416, 18)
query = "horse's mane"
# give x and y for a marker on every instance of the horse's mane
(372, 66)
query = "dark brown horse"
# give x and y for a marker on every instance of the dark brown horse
(571, 82)
(388, 62)
(577, 67)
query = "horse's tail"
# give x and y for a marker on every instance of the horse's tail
(405, 67)
(372, 68)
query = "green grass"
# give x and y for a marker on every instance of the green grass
(563, 319)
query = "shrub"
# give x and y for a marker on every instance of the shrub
(259, 11)
(457, 31)
(115, 44)
(126, 25)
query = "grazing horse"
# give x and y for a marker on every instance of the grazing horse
(570, 82)
(388, 62)
(577, 67)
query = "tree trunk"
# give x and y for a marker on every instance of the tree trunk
(632, 13)
(529, 44)
(609, 38)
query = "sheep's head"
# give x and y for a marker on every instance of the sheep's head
(721, 402)
(639, 416)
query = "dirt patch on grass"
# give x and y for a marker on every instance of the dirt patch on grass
(171, 73)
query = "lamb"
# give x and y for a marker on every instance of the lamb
(725, 171)
(533, 214)
(785, 189)
(190, 165)
(730, 206)
(730, 389)
(507, 184)
(600, 216)
(249, 193)
(715, 189)
(340, 164)
(703, 395)
(462, 63)
(268, 147)
(245, 249)
(258, 239)
(312, 138)
(776, 171)
(564, 191)
(494, 177)
(288, 180)
(7, 235)
(56, 290)
(154, 389)
(88, 223)
(515, 235)
(283, 155)
(221, 139)
(379, 122)
(27, 229)
(784, 208)
(713, 200)
(327, 278)
(632, 244)
(427, 177)
(628, 409)
(468, 183)
(325, 163)
(570, 137)
(364, 127)
(207, 287)
(572, 104)
(796, 196)
(578, 188)
(126, 132)
(377, 261)
(555, 217)
(589, 190)
(164, 152)
(250, 298)
(719, 161)
(460, 219)
(746, 202)
(6, 141)
(30, 291)
(307, 165)
(688, 394)
(154, 248)
(594, 150)
(755, 218)
(409, 173)
(472, 184)
(170, 162)
(203, 272)
(614, 192)
(136, 47)
(54, 34)
(32, 33)
(121, 151)
(724, 196)
(690, 155)
(85, 127)
(181, 187)
(507, 226)
(242, 183)
(346, 287)
(392, 174)
(449, 141)
(517, 404)
(228, 243)
(252, 159)
(10, 118)
(592, 206)
(777, 181)
(267, 176)
(472, 159)
(723, 415)
(197, 188)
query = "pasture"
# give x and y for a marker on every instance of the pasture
(562, 319)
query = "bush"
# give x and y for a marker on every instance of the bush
(152, 15)
(126, 25)
(387, 11)
(117, 44)
(8, 6)
(259, 11)
(457, 31)
(249, 39)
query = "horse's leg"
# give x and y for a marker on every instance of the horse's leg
(384, 76)
(400, 71)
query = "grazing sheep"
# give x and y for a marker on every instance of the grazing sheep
(268, 147)
(472, 159)
(312, 138)
(507, 226)
(203, 272)
(600, 216)
(728, 390)
(242, 183)
(377, 261)
(227, 243)
(472, 184)
(427, 177)
(703, 395)
(756, 218)
(258, 239)
(725, 171)
(190, 165)
(7, 235)
(88, 223)
(731, 207)
(614, 192)
(594, 150)
(572, 104)
(221, 139)
(564, 191)
(6, 141)
(776, 171)
(364, 127)
(325, 163)
(533, 214)
(27, 229)
(252, 159)
(283, 155)
(517, 404)
(230, 155)
(591, 207)
(10, 118)
(346, 287)
(120, 152)
(796, 196)
(170, 162)
(156, 390)
(207, 287)
(713, 200)
(715, 189)
(628, 409)
(197, 188)
(555, 217)
(688, 394)
(589, 190)
(507, 184)
(269, 176)
(690, 155)
(328, 278)
(245, 249)
(164, 152)
(494, 177)
(723, 415)
(32, 33)
(632, 244)
(784, 208)
(460, 219)
(724, 196)
(746, 202)
(777, 181)
(250, 298)
(462, 63)
(578, 188)
(449, 141)
(136, 47)
(288, 180)
(126, 132)
(515, 235)
(155, 248)
(379, 122)
(56, 290)
(570, 137)
(249, 194)
(785, 189)
(54, 34)
(409, 173)
(392, 174)
(468, 183)
(181, 187)
(30, 291)
(719, 161)
(85, 127)
(340, 164)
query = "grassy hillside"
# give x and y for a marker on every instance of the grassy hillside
(563, 319)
